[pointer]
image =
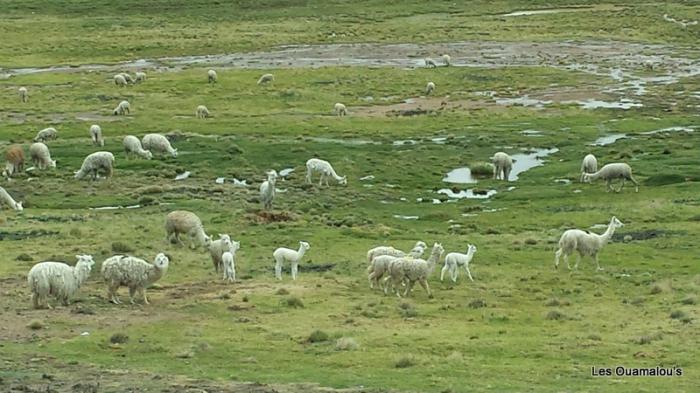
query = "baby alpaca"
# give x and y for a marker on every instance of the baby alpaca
(96, 135)
(267, 78)
(586, 243)
(228, 260)
(285, 254)
(502, 165)
(211, 76)
(202, 112)
(326, 171)
(41, 156)
(609, 172)
(23, 94)
(588, 165)
(455, 259)
(340, 109)
(429, 88)
(430, 63)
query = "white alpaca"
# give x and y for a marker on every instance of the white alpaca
(132, 145)
(101, 161)
(586, 243)
(158, 143)
(447, 59)
(430, 63)
(340, 109)
(119, 80)
(183, 222)
(127, 77)
(429, 88)
(122, 109)
(46, 134)
(23, 94)
(267, 190)
(202, 112)
(6, 199)
(502, 165)
(267, 78)
(455, 259)
(217, 248)
(326, 171)
(211, 76)
(412, 270)
(380, 258)
(140, 77)
(228, 260)
(285, 254)
(134, 273)
(41, 156)
(588, 165)
(609, 172)
(96, 135)
(58, 279)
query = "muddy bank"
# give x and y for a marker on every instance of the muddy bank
(584, 56)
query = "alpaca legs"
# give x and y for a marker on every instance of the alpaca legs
(409, 287)
(295, 269)
(132, 292)
(468, 272)
(442, 272)
(424, 283)
(595, 258)
(636, 185)
(578, 259)
(278, 269)
(556, 258)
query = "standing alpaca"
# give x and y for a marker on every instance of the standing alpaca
(340, 109)
(228, 260)
(58, 279)
(618, 170)
(23, 94)
(588, 165)
(211, 76)
(586, 243)
(502, 165)
(267, 190)
(455, 259)
(285, 254)
(429, 88)
(325, 169)
(411, 270)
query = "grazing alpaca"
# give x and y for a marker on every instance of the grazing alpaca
(586, 243)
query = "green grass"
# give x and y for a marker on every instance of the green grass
(521, 325)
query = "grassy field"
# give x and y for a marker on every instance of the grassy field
(520, 326)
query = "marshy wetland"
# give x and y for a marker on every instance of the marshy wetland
(547, 83)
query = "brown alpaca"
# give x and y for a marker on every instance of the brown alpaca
(15, 159)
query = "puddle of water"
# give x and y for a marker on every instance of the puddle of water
(286, 172)
(460, 176)
(669, 129)
(523, 161)
(608, 139)
(494, 210)
(115, 207)
(467, 194)
(352, 142)
(523, 101)
(596, 104)
(560, 10)
(183, 175)
(531, 132)
(405, 217)
(368, 177)
(404, 142)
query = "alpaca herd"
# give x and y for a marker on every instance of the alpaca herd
(390, 269)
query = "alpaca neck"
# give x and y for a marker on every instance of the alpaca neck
(605, 237)
(81, 273)
(300, 253)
